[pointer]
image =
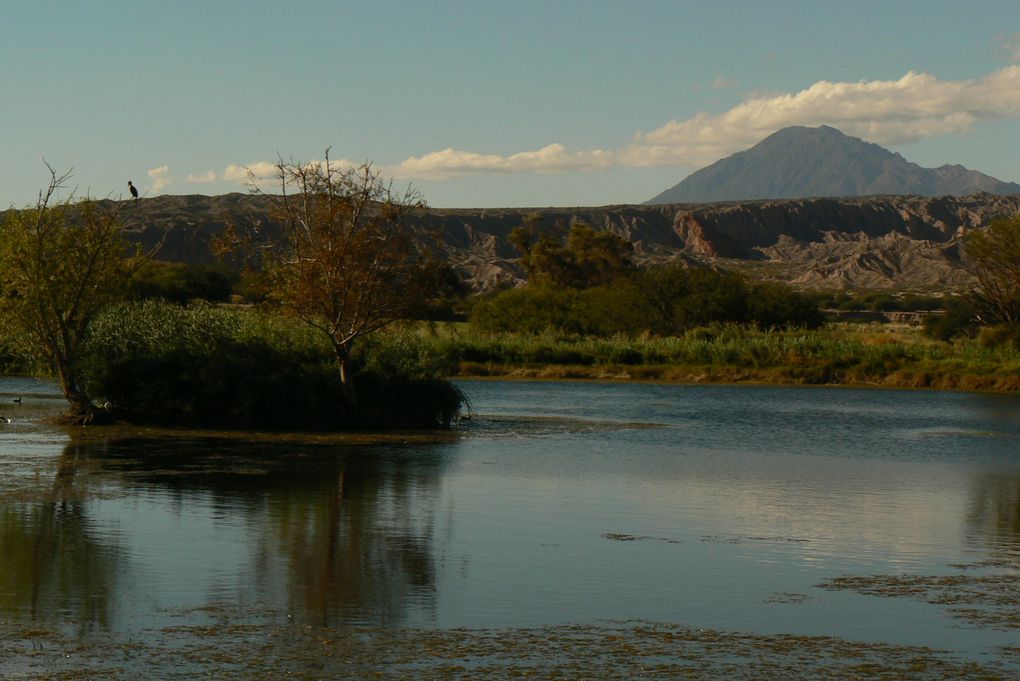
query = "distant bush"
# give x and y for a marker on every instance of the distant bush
(621, 308)
(662, 301)
(14, 359)
(685, 298)
(180, 282)
(1000, 334)
(958, 319)
(776, 306)
(878, 301)
(200, 365)
(532, 309)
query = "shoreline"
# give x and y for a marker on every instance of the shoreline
(903, 379)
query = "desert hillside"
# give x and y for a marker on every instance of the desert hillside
(888, 242)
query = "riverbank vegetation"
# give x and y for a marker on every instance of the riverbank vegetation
(156, 362)
(345, 257)
(341, 265)
(844, 354)
(339, 283)
(62, 262)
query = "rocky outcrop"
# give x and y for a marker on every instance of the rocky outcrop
(896, 243)
(740, 230)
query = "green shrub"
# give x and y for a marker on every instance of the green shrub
(1000, 335)
(181, 282)
(609, 310)
(200, 365)
(959, 319)
(663, 301)
(532, 309)
(773, 305)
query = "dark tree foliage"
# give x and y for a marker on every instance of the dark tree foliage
(62, 262)
(995, 255)
(449, 296)
(958, 319)
(532, 309)
(664, 301)
(712, 297)
(156, 362)
(599, 257)
(587, 258)
(181, 282)
(347, 258)
(773, 306)
(621, 308)
(685, 298)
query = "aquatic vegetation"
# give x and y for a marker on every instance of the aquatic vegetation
(228, 645)
(982, 600)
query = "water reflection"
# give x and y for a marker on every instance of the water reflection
(732, 495)
(55, 562)
(993, 517)
(330, 534)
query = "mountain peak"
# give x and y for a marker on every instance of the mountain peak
(802, 162)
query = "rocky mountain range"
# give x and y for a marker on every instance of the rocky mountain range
(799, 162)
(889, 242)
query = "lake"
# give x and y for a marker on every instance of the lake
(874, 517)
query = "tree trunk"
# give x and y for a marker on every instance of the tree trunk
(346, 375)
(81, 410)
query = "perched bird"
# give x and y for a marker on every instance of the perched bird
(134, 190)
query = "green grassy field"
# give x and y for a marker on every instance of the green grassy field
(845, 354)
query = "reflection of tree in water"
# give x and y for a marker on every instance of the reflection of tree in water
(345, 532)
(358, 544)
(54, 566)
(994, 514)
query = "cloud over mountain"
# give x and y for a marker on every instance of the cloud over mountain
(914, 107)
(889, 112)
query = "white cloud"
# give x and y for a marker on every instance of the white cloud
(888, 112)
(721, 83)
(263, 171)
(550, 159)
(337, 164)
(260, 170)
(202, 178)
(1010, 44)
(160, 177)
(916, 106)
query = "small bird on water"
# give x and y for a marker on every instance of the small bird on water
(16, 400)
(134, 190)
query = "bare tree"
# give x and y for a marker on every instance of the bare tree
(61, 263)
(342, 253)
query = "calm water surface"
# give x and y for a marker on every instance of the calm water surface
(709, 506)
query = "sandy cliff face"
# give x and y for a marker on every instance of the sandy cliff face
(894, 242)
(877, 242)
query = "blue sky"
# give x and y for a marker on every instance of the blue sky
(484, 104)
